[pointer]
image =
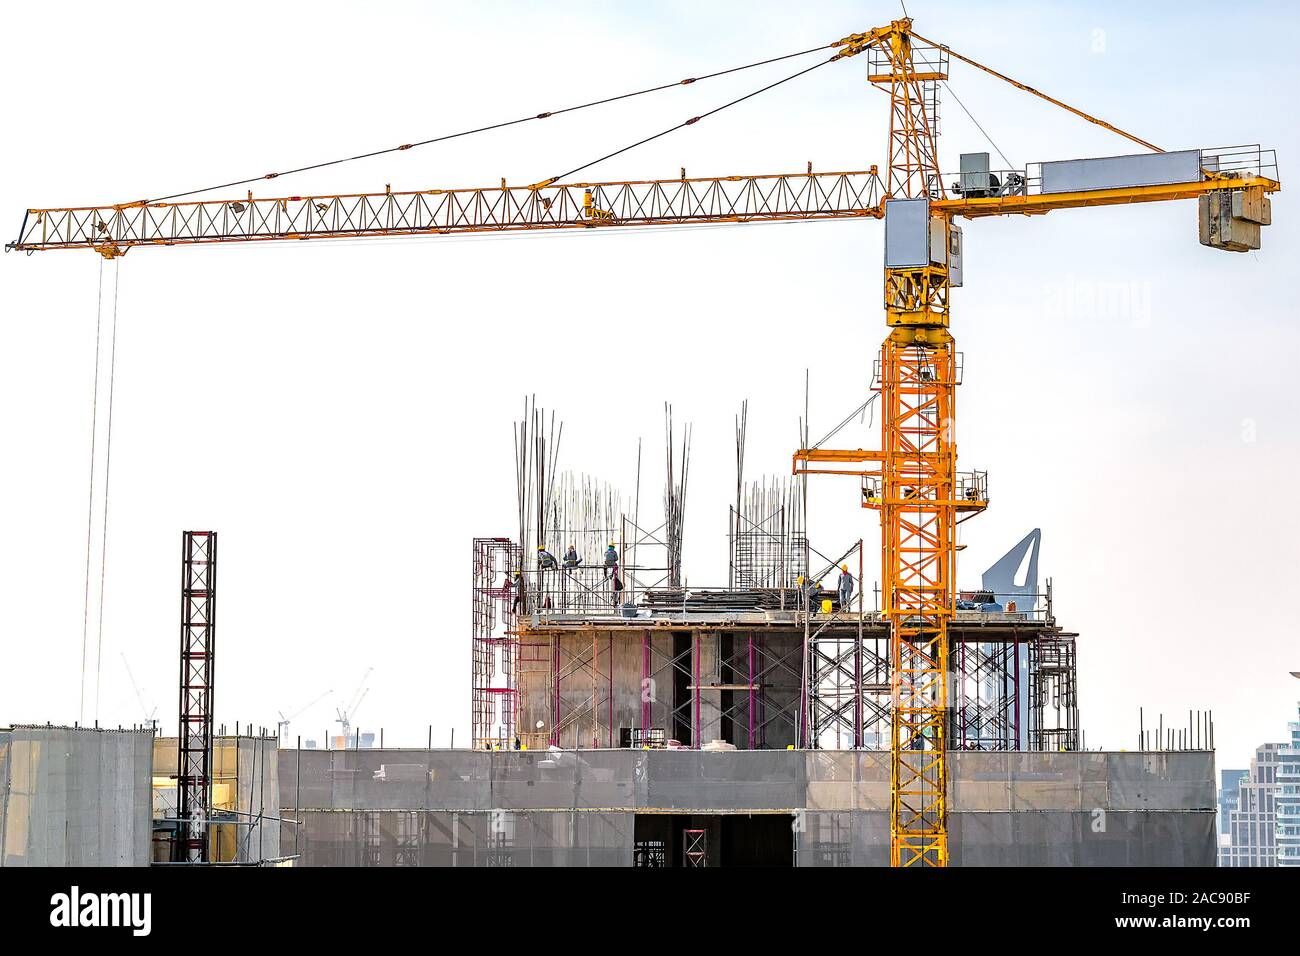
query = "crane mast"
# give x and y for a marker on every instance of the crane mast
(917, 379)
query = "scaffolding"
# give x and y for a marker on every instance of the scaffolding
(495, 640)
(833, 706)
(587, 636)
(1053, 694)
(816, 681)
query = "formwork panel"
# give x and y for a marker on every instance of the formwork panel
(1044, 838)
(870, 834)
(578, 807)
(386, 779)
(1177, 780)
(1094, 780)
(980, 781)
(982, 839)
(832, 779)
(459, 780)
(727, 780)
(611, 778)
(530, 780)
(1044, 781)
(873, 781)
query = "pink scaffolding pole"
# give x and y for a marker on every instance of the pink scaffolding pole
(695, 664)
(751, 688)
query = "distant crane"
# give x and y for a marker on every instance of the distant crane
(282, 724)
(144, 708)
(345, 714)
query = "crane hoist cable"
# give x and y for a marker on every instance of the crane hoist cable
(90, 501)
(484, 129)
(998, 149)
(108, 460)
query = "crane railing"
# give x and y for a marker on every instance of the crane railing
(995, 192)
(766, 198)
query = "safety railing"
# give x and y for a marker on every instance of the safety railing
(958, 364)
(984, 184)
(1236, 162)
(585, 589)
(928, 62)
(1003, 607)
(1240, 161)
(971, 487)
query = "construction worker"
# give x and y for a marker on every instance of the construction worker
(545, 560)
(618, 587)
(811, 590)
(611, 558)
(571, 559)
(846, 587)
(520, 602)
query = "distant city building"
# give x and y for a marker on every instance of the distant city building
(1252, 826)
(1229, 781)
(1288, 798)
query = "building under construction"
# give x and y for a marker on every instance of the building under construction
(585, 637)
(622, 719)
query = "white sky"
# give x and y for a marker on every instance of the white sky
(341, 414)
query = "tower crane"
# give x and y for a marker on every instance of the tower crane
(282, 725)
(346, 714)
(144, 708)
(912, 479)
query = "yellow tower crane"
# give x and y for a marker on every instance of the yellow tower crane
(912, 479)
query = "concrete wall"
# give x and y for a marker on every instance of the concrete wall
(1007, 808)
(75, 797)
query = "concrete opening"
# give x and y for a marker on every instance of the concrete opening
(713, 840)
